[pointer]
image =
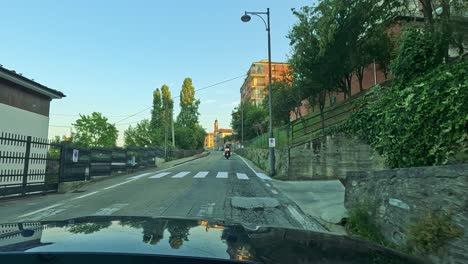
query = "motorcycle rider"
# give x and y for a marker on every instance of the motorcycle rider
(227, 152)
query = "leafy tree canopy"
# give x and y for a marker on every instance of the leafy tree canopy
(94, 131)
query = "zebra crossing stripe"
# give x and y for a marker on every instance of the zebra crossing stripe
(181, 174)
(201, 174)
(262, 176)
(242, 176)
(159, 175)
(222, 175)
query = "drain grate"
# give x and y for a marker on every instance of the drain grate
(79, 191)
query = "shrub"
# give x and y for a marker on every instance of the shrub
(419, 50)
(431, 232)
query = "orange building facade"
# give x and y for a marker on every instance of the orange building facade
(216, 139)
(254, 88)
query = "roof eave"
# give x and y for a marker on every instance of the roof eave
(36, 88)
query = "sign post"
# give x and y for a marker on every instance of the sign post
(75, 155)
(271, 142)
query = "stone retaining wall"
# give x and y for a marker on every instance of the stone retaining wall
(331, 157)
(260, 158)
(402, 196)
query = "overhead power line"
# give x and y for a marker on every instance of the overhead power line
(196, 90)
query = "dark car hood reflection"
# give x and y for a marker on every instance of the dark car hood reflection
(197, 238)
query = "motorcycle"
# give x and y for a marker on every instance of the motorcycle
(227, 153)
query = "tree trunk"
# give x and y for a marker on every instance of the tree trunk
(427, 12)
(447, 30)
(360, 76)
(321, 100)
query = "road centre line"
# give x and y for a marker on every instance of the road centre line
(40, 210)
(118, 184)
(86, 195)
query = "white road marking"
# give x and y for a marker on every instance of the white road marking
(181, 174)
(118, 184)
(110, 210)
(40, 210)
(159, 175)
(139, 176)
(268, 185)
(262, 176)
(242, 176)
(274, 191)
(201, 174)
(222, 175)
(86, 195)
(306, 224)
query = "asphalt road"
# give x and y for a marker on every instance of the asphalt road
(207, 188)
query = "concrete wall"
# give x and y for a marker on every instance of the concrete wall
(260, 158)
(402, 196)
(332, 157)
(329, 157)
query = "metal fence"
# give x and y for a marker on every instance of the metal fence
(282, 138)
(85, 163)
(309, 128)
(28, 165)
(31, 165)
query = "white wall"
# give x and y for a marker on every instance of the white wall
(22, 122)
(19, 121)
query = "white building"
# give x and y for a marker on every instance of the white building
(24, 105)
(24, 111)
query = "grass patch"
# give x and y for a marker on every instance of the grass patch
(432, 232)
(360, 224)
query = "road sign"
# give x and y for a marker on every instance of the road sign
(75, 155)
(271, 142)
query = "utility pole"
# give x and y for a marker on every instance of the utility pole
(172, 125)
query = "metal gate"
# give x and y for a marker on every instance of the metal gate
(28, 165)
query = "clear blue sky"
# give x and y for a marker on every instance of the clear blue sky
(108, 56)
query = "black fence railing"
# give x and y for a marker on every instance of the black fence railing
(309, 128)
(85, 163)
(30, 165)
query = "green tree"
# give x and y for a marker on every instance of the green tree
(156, 112)
(167, 111)
(94, 131)
(188, 116)
(286, 99)
(255, 119)
(189, 138)
(143, 134)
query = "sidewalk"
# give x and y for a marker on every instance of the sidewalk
(323, 200)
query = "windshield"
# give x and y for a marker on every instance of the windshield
(324, 116)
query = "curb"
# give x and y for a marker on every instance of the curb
(202, 155)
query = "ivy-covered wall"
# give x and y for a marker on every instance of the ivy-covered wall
(423, 122)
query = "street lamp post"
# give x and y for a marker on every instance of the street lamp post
(246, 18)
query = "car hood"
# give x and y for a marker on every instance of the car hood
(190, 237)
